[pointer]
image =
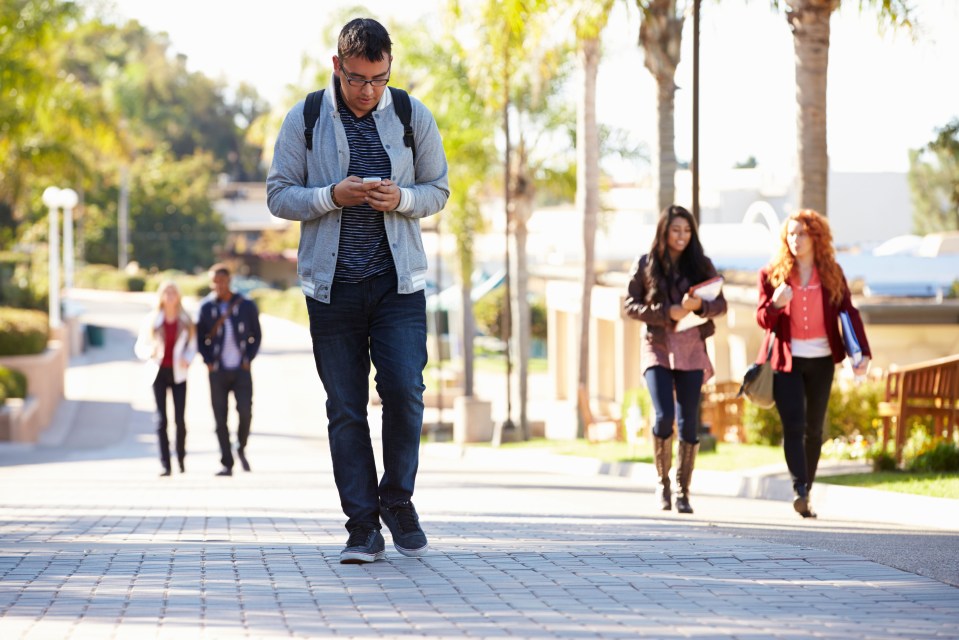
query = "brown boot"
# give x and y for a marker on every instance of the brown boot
(684, 473)
(663, 456)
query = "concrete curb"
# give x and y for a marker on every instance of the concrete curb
(766, 483)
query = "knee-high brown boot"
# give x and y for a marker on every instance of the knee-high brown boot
(684, 473)
(663, 456)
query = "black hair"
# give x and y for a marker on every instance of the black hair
(692, 262)
(364, 37)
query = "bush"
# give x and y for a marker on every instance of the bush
(853, 409)
(762, 425)
(490, 314)
(23, 331)
(882, 460)
(13, 383)
(940, 457)
(288, 304)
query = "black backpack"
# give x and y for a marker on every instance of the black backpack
(401, 102)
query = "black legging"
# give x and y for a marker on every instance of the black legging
(164, 381)
(802, 396)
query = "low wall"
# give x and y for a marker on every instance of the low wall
(45, 385)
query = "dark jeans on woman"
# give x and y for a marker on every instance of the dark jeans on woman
(161, 384)
(370, 322)
(675, 396)
(802, 396)
(240, 382)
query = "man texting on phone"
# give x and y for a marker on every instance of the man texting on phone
(359, 193)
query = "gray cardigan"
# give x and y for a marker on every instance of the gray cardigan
(298, 188)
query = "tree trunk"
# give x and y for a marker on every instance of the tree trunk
(666, 151)
(809, 20)
(468, 329)
(520, 307)
(660, 35)
(587, 195)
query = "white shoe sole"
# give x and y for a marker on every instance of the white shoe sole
(412, 553)
(357, 557)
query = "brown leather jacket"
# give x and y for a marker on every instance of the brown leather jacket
(656, 314)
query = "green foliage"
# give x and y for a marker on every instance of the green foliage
(490, 314)
(17, 288)
(854, 409)
(23, 331)
(852, 412)
(762, 425)
(287, 304)
(940, 456)
(882, 460)
(934, 181)
(13, 383)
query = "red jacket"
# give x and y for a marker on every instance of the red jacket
(769, 317)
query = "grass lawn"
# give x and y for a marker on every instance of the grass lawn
(732, 457)
(937, 485)
(728, 456)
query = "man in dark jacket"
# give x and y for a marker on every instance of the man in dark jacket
(228, 338)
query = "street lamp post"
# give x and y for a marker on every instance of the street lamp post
(51, 198)
(68, 200)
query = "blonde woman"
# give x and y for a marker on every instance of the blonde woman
(168, 344)
(801, 294)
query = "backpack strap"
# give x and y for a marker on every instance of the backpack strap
(401, 103)
(404, 109)
(311, 111)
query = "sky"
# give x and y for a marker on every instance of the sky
(887, 92)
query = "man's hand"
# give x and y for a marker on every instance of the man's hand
(384, 196)
(352, 191)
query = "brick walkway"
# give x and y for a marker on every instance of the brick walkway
(94, 545)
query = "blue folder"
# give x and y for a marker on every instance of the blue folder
(849, 338)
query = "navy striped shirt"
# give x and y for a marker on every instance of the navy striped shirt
(364, 250)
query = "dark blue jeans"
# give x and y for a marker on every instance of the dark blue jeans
(363, 323)
(675, 395)
(162, 383)
(802, 396)
(240, 382)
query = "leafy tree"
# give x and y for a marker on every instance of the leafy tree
(591, 18)
(172, 221)
(934, 181)
(437, 72)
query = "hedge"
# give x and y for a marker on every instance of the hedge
(23, 331)
(13, 383)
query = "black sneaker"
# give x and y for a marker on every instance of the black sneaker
(364, 545)
(404, 525)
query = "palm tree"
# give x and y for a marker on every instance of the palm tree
(591, 19)
(809, 21)
(660, 35)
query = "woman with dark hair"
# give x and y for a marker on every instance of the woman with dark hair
(801, 294)
(674, 359)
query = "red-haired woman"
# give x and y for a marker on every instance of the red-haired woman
(674, 359)
(801, 293)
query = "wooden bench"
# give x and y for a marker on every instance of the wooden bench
(597, 428)
(722, 409)
(923, 390)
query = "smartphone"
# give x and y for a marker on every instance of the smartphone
(371, 179)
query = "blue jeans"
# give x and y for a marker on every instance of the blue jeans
(684, 408)
(802, 396)
(363, 323)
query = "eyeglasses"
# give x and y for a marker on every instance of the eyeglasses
(359, 82)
